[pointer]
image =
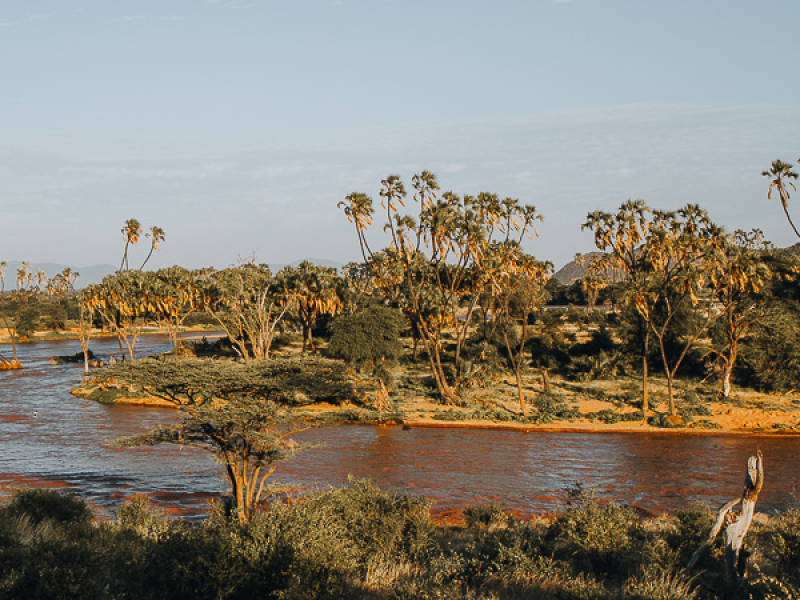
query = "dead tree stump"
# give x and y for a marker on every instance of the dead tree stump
(736, 527)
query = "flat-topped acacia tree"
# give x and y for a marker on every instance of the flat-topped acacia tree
(245, 414)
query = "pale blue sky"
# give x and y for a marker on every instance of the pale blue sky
(237, 125)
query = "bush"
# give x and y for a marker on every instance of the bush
(40, 505)
(487, 516)
(369, 336)
(601, 539)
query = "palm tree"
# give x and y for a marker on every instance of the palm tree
(130, 233)
(781, 172)
(156, 236)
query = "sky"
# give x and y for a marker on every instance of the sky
(238, 125)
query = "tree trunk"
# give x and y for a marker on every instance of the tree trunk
(670, 395)
(645, 405)
(735, 555)
(308, 342)
(727, 371)
(726, 383)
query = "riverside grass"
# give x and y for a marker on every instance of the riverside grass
(363, 543)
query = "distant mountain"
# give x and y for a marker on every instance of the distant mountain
(572, 271)
(88, 275)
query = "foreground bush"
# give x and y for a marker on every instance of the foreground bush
(362, 543)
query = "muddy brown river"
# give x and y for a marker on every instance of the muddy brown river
(50, 438)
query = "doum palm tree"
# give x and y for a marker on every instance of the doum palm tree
(782, 174)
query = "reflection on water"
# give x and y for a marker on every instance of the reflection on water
(50, 438)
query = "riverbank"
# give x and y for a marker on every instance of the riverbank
(71, 333)
(569, 409)
(590, 406)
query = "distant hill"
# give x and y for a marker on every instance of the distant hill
(572, 271)
(793, 250)
(88, 275)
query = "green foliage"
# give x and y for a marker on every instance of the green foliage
(771, 356)
(293, 381)
(551, 407)
(29, 319)
(136, 515)
(43, 505)
(362, 543)
(601, 539)
(783, 542)
(368, 336)
(488, 516)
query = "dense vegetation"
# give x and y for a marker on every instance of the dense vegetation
(359, 542)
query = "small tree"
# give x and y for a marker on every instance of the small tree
(737, 281)
(370, 335)
(176, 295)
(621, 236)
(519, 287)
(248, 303)
(316, 291)
(28, 286)
(242, 413)
(122, 300)
(680, 252)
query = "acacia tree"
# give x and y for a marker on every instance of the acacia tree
(434, 265)
(248, 303)
(245, 414)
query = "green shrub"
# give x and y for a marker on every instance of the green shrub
(137, 515)
(39, 505)
(369, 336)
(487, 516)
(605, 540)
(782, 543)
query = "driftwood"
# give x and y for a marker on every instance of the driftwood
(736, 526)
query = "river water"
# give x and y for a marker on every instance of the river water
(50, 438)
